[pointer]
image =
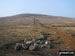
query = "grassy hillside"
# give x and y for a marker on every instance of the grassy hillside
(27, 19)
(18, 27)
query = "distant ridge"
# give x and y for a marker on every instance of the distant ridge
(30, 14)
(25, 19)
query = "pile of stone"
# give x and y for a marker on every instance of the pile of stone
(33, 44)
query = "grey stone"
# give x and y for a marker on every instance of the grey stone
(29, 42)
(25, 47)
(34, 39)
(18, 46)
(33, 47)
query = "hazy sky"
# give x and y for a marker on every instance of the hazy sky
(64, 8)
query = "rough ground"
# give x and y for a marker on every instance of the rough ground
(14, 28)
(8, 50)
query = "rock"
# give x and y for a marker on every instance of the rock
(48, 44)
(41, 46)
(38, 42)
(18, 46)
(33, 47)
(45, 37)
(34, 39)
(27, 39)
(50, 55)
(42, 42)
(29, 42)
(21, 41)
(25, 47)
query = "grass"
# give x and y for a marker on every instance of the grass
(70, 31)
(11, 35)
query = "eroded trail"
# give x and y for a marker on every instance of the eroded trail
(68, 41)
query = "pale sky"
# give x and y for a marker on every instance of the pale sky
(64, 8)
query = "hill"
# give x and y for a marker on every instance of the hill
(15, 29)
(27, 19)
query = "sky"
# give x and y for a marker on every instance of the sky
(65, 8)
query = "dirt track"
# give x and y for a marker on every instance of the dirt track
(69, 42)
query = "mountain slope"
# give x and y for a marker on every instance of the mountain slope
(26, 19)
